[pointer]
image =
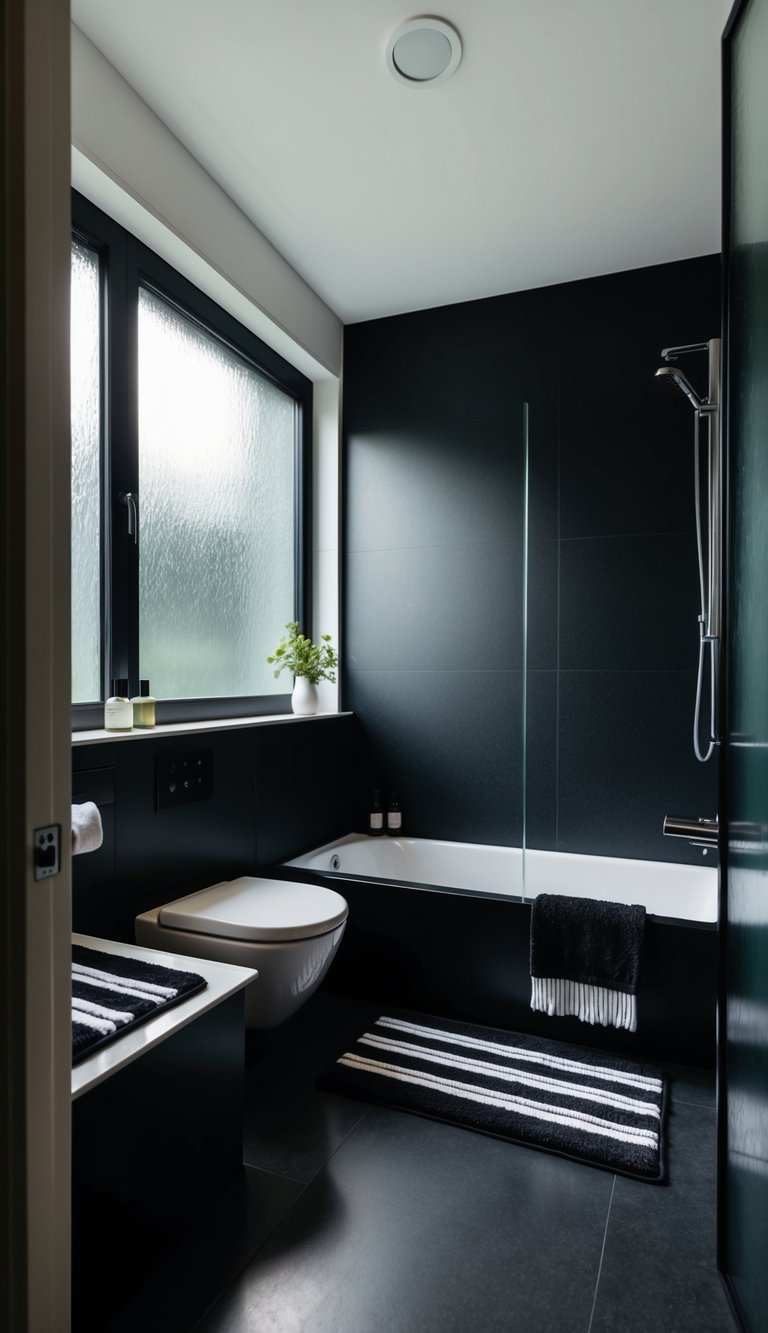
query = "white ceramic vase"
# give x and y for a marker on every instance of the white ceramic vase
(304, 699)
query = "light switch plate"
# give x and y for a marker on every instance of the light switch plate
(181, 779)
(47, 851)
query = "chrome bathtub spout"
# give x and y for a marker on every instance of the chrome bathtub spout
(698, 832)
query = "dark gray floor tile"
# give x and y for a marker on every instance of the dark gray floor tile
(295, 1136)
(211, 1257)
(695, 1086)
(290, 1128)
(416, 1225)
(658, 1268)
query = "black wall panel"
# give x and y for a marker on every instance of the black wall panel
(302, 787)
(467, 957)
(277, 791)
(434, 526)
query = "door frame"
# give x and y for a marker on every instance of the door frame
(737, 12)
(35, 939)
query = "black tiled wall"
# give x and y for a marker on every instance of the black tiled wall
(434, 645)
(278, 790)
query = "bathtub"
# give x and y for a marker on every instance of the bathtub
(669, 892)
(444, 928)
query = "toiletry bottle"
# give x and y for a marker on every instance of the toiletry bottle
(118, 710)
(143, 706)
(375, 816)
(394, 816)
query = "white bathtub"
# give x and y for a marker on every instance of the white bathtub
(669, 892)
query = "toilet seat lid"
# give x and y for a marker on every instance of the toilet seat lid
(257, 909)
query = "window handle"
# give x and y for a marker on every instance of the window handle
(129, 499)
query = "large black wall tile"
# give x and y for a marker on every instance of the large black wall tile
(625, 442)
(462, 362)
(302, 787)
(438, 607)
(440, 484)
(449, 743)
(541, 761)
(543, 605)
(626, 760)
(543, 448)
(629, 603)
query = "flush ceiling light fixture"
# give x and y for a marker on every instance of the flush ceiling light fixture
(423, 51)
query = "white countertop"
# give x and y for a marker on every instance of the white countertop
(224, 979)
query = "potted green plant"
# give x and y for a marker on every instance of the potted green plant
(308, 662)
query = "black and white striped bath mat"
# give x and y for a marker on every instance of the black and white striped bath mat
(595, 1108)
(111, 994)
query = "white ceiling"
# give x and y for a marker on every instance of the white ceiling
(577, 137)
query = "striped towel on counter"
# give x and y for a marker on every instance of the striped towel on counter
(110, 992)
(585, 959)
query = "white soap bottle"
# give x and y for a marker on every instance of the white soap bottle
(118, 710)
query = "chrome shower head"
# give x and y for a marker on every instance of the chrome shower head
(671, 375)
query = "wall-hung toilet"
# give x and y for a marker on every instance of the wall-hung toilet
(289, 932)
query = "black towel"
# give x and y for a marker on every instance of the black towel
(586, 956)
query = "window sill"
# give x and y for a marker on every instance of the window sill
(101, 737)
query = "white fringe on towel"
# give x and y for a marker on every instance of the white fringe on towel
(592, 1004)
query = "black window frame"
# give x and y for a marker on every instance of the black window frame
(126, 265)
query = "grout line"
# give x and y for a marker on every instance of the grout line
(602, 1254)
(631, 536)
(447, 545)
(341, 1142)
(511, 671)
(279, 1175)
(626, 671)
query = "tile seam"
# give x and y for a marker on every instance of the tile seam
(602, 1256)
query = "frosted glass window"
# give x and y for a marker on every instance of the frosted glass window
(216, 512)
(85, 376)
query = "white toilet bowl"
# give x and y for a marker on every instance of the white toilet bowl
(289, 932)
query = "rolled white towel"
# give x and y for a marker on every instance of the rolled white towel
(87, 833)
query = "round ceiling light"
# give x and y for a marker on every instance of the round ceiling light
(423, 50)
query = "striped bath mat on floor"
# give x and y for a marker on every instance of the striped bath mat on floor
(111, 994)
(564, 1099)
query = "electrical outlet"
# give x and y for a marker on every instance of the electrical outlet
(181, 779)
